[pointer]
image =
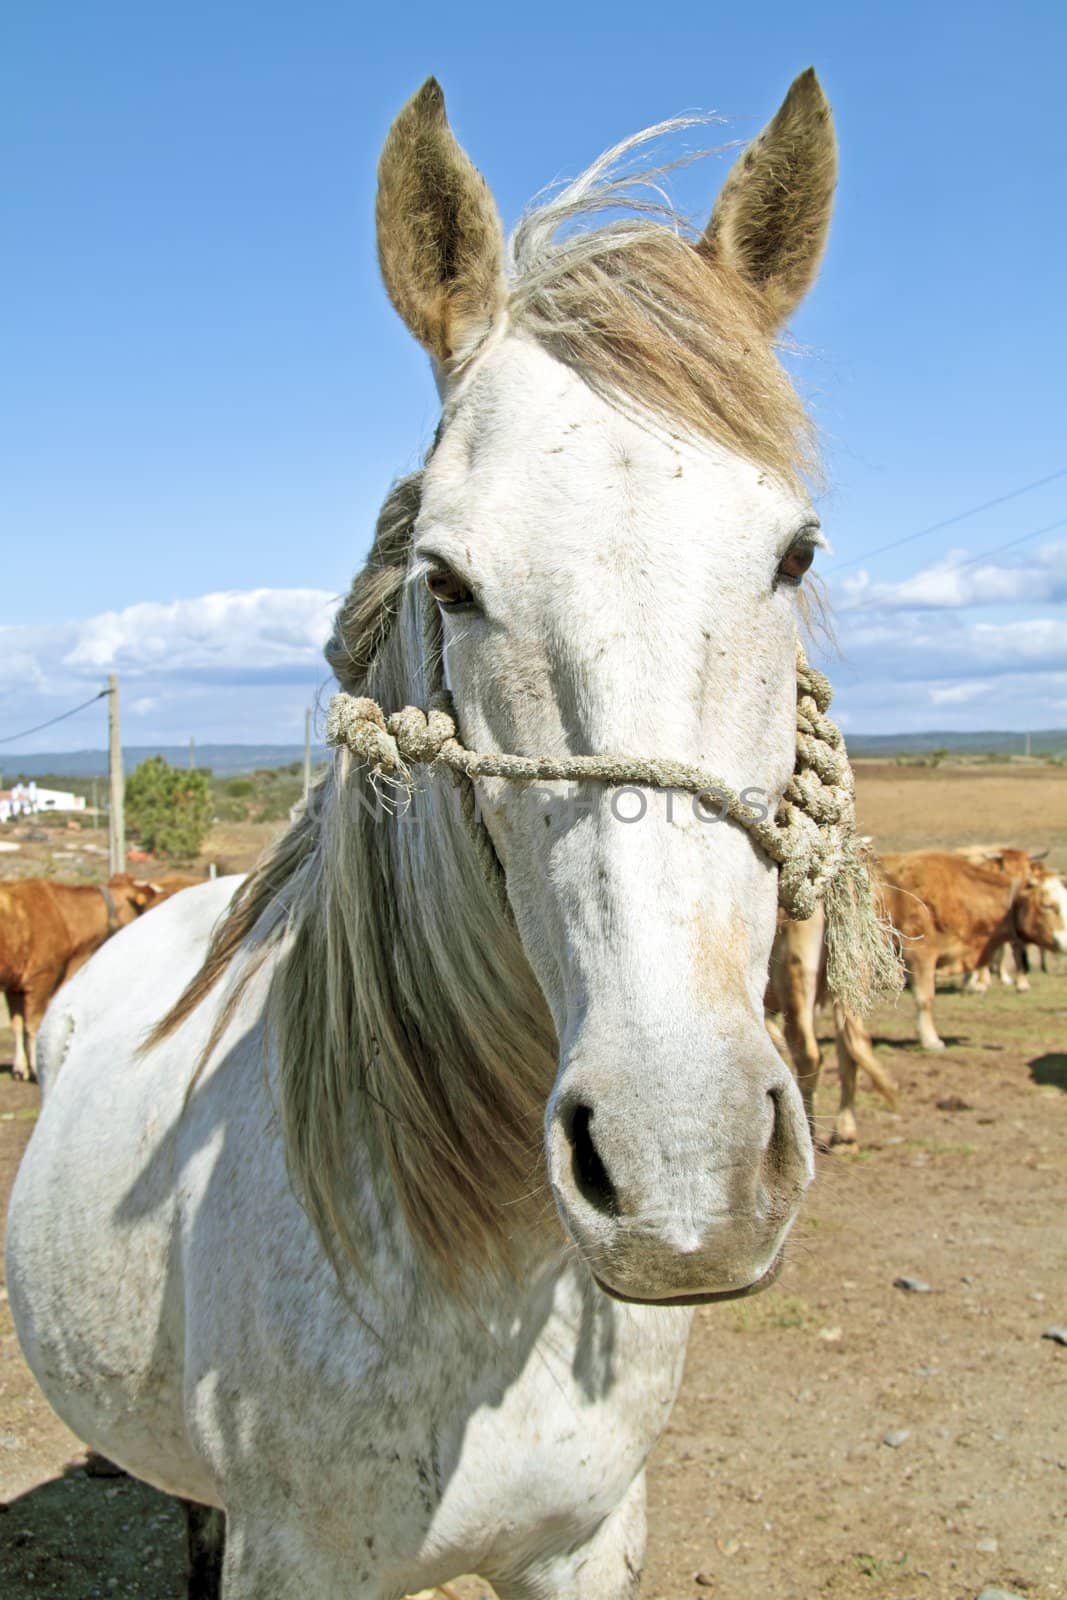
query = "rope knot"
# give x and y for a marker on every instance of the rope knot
(388, 746)
(420, 736)
(358, 724)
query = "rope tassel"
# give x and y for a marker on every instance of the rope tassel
(812, 839)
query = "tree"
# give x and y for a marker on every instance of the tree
(170, 807)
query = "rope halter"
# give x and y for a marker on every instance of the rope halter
(812, 839)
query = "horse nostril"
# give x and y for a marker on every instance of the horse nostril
(590, 1173)
(775, 1152)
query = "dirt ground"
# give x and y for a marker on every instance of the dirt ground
(78, 854)
(916, 808)
(837, 1436)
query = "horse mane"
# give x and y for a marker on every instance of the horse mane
(415, 1011)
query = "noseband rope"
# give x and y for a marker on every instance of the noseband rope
(812, 838)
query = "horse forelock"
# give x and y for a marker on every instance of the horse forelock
(647, 318)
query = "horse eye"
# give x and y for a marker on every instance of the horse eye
(448, 589)
(796, 562)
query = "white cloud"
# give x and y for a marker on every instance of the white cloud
(912, 645)
(249, 635)
(880, 704)
(19, 667)
(255, 630)
(957, 580)
(957, 694)
(234, 666)
(909, 670)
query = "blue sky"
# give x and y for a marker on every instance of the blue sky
(206, 394)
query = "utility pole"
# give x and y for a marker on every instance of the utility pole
(192, 754)
(307, 754)
(1028, 744)
(116, 833)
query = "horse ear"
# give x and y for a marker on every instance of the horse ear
(771, 219)
(440, 242)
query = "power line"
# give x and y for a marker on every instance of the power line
(949, 522)
(1009, 544)
(25, 734)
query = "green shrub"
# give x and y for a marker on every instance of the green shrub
(276, 806)
(168, 807)
(228, 810)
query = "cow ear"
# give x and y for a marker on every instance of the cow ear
(771, 219)
(440, 241)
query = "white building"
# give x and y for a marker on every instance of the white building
(26, 800)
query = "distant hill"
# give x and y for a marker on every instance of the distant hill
(231, 760)
(235, 760)
(1043, 741)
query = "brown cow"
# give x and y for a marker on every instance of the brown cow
(1011, 963)
(954, 914)
(796, 988)
(49, 930)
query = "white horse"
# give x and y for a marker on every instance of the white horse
(299, 1258)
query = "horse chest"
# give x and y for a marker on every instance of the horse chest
(555, 1445)
(463, 1443)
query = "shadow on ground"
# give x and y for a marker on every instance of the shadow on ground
(80, 1538)
(912, 1047)
(84, 1538)
(1050, 1069)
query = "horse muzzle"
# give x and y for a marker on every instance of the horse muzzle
(679, 1194)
